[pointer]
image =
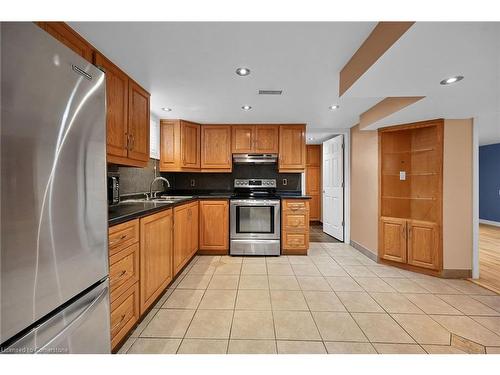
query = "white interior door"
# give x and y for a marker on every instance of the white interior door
(333, 187)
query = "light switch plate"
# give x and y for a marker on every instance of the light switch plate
(402, 175)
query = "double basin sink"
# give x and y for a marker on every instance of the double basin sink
(166, 199)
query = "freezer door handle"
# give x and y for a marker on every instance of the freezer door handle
(75, 321)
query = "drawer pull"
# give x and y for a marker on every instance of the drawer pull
(119, 323)
(122, 237)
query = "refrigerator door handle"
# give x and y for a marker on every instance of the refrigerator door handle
(75, 321)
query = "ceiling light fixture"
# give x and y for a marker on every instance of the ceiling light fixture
(310, 138)
(333, 107)
(449, 81)
(166, 109)
(242, 72)
(246, 108)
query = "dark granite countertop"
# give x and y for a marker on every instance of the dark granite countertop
(125, 211)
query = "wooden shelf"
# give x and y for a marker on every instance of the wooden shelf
(409, 151)
(411, 209)
(412, 198)
(410, 174)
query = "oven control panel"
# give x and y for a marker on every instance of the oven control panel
(255, 183)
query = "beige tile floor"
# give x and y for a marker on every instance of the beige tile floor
(335, 300)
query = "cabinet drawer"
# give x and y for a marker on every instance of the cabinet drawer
(124, 314)
(292, 240)
(295, 205)
(123, 270)
(292, 220)
(123, 235)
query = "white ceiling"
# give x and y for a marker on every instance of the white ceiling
(429, 52)
(189, 67)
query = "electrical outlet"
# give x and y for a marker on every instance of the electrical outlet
(193, 183)
(285, 182)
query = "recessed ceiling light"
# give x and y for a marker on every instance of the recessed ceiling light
(310, 138)
(449, 81)
(333, 107)
(243, 72)
(246, 108)
(166, 109)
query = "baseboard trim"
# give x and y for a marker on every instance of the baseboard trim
(489, 222)
(456, 274)
(363, 250)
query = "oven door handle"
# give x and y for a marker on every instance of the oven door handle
(251, 202)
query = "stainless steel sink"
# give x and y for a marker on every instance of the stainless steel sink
(162, 199)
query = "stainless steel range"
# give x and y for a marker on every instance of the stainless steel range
(255, 218)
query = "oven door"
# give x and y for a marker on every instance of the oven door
(255, 219)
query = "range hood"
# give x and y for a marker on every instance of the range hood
(255, 158)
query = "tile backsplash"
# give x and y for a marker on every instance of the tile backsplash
(137, 180)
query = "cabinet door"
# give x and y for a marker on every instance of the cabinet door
(393, 239)
(266, 139)
(313, 176)
(67, 36)
(216, 147)
(194, 225)
(314, 208)
(138, 123)
(214, 226)
(423, 244)
(292, 155)
(116, 107)
(182, 232)
(313, 155)
(156, 256)
(242, 139)
(190, 145)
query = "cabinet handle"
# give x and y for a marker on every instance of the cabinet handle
(132, 142)
(119, 323)
(403, 231)
(122, 237)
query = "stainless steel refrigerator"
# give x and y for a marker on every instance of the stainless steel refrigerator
(54, 257)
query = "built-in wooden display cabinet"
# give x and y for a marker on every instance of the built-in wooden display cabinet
(411, 184)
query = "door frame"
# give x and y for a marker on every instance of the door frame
(347, 182)
(475, 201)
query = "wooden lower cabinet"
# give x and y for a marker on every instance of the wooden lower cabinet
(185, 234)
(123, 235)
(123, 270)
(294, 227)
(214, 227)
(410, 242)
(156, 256)
(423, 244)
(393, 239)
(124, 314)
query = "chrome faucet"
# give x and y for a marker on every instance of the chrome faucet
(158, 178)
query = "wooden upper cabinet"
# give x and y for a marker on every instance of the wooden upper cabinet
(190, 144)
(242, 139)
(216, 148)
(138, 122)
(292, 148)
(116, 107)
(423, 244)
(214, 226)
(179, 146)
(313, 155)
(262, 139)
(70, 38)
(392, 239)
(156, 256)
(266, 139)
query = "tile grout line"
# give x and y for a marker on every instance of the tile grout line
(195, 311)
